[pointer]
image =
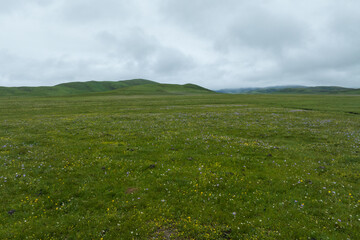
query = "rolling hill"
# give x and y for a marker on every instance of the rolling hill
(159, 89)
(126, 87)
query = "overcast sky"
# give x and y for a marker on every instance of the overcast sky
(216, 44)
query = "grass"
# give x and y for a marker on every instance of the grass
(180, 167)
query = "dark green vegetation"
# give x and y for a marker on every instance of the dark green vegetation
(127, 87)
(182, 167)
(295, 90)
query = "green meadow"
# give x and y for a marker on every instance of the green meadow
(211, 166)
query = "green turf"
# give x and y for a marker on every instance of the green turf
(180, 167)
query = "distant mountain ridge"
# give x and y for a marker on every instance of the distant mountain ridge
(293, 90)
(125, 87)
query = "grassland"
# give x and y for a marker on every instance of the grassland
(180, 167)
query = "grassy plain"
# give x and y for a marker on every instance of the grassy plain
(180, 167)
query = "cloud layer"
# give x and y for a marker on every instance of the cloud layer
(217, 44)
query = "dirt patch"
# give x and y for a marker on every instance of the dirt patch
(131, 190)
(166, 233)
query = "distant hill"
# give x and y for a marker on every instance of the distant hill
(319, 90)
(255, 89)
(126, 87)
(71, 88)
(294, 90)
(159, 89)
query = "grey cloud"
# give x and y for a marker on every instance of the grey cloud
(9, 7)
(331, 51)
(93, 11)
(268, 32)
(143, 51)
(172, 61)
(132, 43)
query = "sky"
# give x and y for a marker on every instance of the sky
(212, 43)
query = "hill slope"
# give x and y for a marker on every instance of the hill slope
(126, 87)
(71, 88)
(159, 89)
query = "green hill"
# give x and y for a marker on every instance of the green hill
(126, 87)
(159, 89)
(72, 88)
